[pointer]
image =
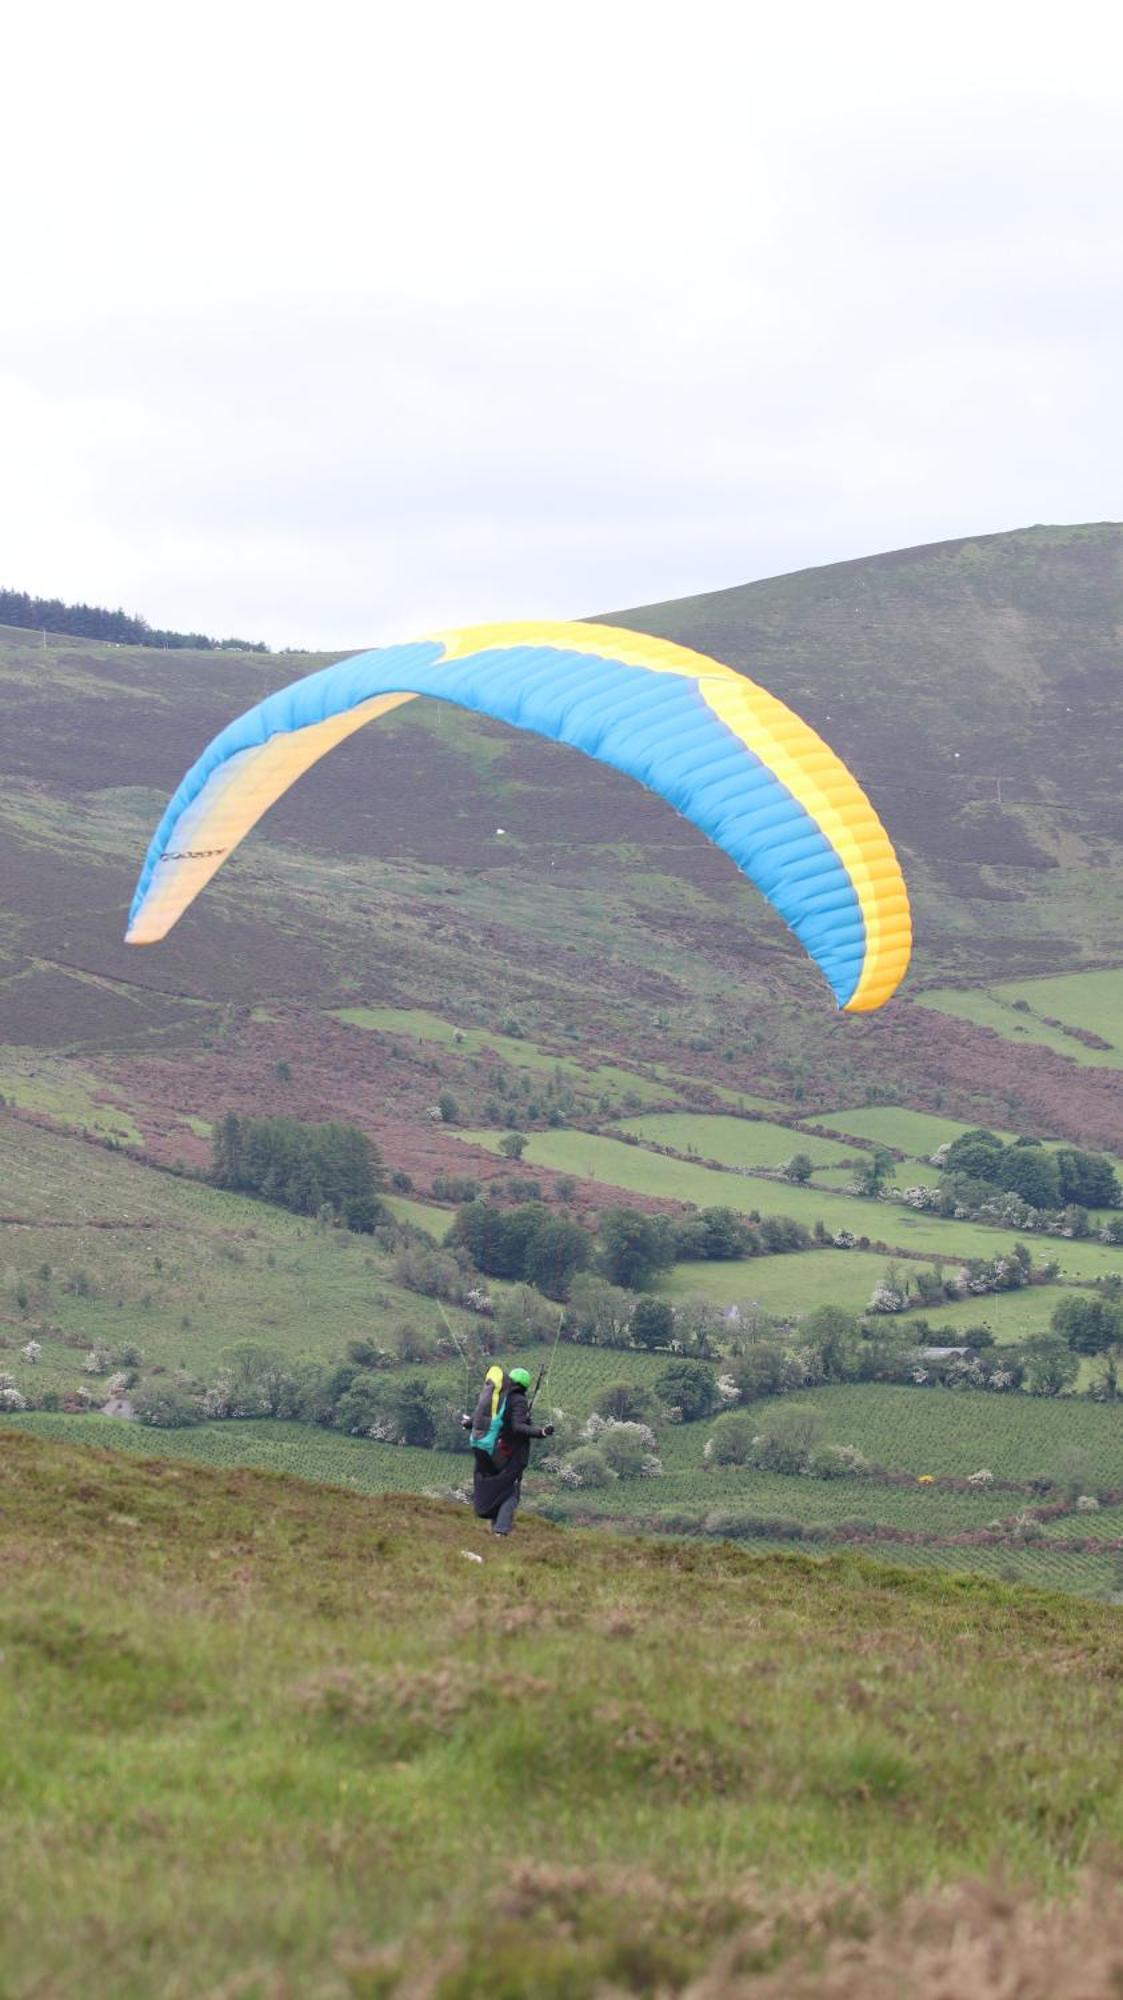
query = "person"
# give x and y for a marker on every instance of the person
(497, 1480)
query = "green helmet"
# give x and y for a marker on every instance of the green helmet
(521, 1376)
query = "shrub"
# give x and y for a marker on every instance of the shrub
(788, 1442)
(838, 1461)
(635, 1246)
(169, 1404)
(691, 1388)
(732, 1439)
(453, 1187)
(11, 1398)
(626, 1403)
(652, 1323)
(628, 1449)
(585, 1467)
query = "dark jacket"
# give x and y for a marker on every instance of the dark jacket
(519, 1428)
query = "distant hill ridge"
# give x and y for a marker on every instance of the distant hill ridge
(972, 686)
(114, 628)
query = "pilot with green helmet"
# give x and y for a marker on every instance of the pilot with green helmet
(501, 1429)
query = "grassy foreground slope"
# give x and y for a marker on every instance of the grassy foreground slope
(269, 1739)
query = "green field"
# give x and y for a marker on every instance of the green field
(988, 1009)
(1089, 1000)
(918, 1133)
(789, 1285)
(420, 1214)
(108, 1251)
(1011, 1316)
(734, 1142)
(956, 1431)
(60, 1089)
(592, 1156)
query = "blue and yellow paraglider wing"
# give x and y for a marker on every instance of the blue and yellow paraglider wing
(729, 756)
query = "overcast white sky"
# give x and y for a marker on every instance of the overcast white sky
(333, 324)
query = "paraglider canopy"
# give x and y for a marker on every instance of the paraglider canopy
(722, 750)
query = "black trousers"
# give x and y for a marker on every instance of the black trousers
(504, 1519)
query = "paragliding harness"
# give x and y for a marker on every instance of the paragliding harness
(486, 1434)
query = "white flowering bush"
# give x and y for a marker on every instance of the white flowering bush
(11, 1398)
(1087, 1504)
(921, 1197)
(727, 1389)
(983, 1477)
(117, 1384)
(31, 1352)
(479, 1301)
(585, 1467)
(844, 1239)
(886, 1298)
(628, 1449)
(937, 1158)
(218, 1396)
(838, 1461)
(98, 1361)
(1002, 1378)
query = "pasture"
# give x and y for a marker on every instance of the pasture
(634, 1169)
(1089, 1000)
(735, 1142)
(788, 1286)
(918, 1133)
(988, 1009)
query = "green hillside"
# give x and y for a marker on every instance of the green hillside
(598, 980)
(267, 1739)
(973, 686)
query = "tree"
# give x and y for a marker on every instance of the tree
(301, 1166)
(799, 1168)
(763, 1370)
(689, 1387)
(1088, 1179)
(524, 1318)
(836, 1338)
(1050, 1365)
(732, 1438)
(653, 1323)
(557, 1248)
(598, 1312)
(725, 1234)
(788, 1440)
(626, 1403)
(416, 1415)
(513, 1145)
(167, 1403)
(1089, 1324)
(634, 1246)
(874, 1172)
(975, 1153)
(448, 1108)
(1031, 1172)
